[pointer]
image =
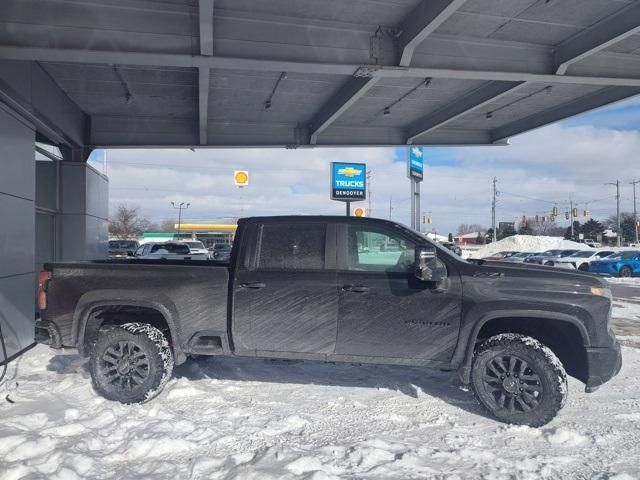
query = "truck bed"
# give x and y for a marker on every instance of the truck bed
(191, 296)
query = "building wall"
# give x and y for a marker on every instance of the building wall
(84, 212)
(17, 231)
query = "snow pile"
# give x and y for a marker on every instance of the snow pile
(528, 243)
(240, 418)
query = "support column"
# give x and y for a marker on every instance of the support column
(84, 212)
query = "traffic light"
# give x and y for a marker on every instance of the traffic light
(574, 212)
(524, 219)
(587, 213)
(566, 215)
(537, 219)
(554, 212)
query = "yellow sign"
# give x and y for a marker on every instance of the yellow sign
(359, 212)
(241, 178)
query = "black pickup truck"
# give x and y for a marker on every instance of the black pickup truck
(337, 289)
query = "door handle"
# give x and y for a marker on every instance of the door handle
(488, 275)
(253, 285)
(356, 288)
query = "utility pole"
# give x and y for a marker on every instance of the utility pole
(635, 208)
(180, 207)
(390, 206)
(571, 217)
(494, 236)
(619, 233)
(369, 192)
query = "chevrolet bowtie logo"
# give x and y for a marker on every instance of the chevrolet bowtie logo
(349, 172)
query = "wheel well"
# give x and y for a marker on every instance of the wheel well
(113, 315)
(563, 338)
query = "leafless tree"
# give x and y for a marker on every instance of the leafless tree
(464, 228)
(127, 222)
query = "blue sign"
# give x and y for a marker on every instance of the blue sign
(348, 181)
(416, 162)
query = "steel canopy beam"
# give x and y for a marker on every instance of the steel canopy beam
(354, 89)
(598, 99)
(231, 63)
(205, 8)
(422, 22)
(598, 37)
(474, 100)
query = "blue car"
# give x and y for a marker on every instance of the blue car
(621, 264)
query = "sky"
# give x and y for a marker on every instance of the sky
(572, 160)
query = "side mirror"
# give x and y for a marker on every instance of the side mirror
(427, 267)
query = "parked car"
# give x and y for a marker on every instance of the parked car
(581, 260)
(547, 258)
(122, 248)
(621, 264)
(500, 256)
(592, 243)
(221, 252)
(307, 288)
(168, 251)
(519, 257)
(196, 247)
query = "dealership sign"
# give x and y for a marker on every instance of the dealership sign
(348, 181)
(415, 164)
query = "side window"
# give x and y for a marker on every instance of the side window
(603, 254)
(291, 247)
(378, 251)
(140, 250)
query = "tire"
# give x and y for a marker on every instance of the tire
(584, 267)
(518, 380)
(117, 376)
(626, 272)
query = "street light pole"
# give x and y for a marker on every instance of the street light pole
(619, 233)
(180, 207)
(635, 208)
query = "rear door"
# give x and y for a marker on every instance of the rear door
(384, 311)
(285, 297)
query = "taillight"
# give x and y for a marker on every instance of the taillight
(43, 279)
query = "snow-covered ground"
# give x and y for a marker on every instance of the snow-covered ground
(528, 243)
(254, 419)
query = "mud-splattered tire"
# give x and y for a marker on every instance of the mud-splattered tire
(131, 363)
(519, 380)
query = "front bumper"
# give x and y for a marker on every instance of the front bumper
(604, 364)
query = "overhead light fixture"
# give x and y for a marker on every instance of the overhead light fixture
(547, 90)
(267, 103)
(426, 82)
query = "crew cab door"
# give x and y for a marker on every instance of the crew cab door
(285, 297)
(384, 311)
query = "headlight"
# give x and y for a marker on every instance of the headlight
(602, 292)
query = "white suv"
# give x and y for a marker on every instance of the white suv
(581, 260)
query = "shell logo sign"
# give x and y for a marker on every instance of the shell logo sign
(359, 212)
(241, 178)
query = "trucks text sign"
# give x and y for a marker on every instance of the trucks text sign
(416, 163)
(348, 181)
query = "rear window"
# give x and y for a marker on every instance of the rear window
(124, 244)
(291, 247)
(170, 248)
(194, 244)
(222, 246)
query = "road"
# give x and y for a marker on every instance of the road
(626, 313)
